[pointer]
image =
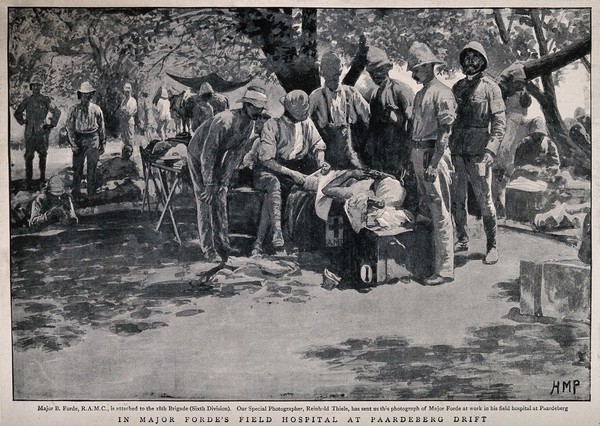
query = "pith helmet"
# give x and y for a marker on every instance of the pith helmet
(256, 96)
(205, 89)
(330, 64)
(537, 125)
(420, 54)
(377, 58)
(55, 185)
(476, 47)
(86, 87)
(296, 104)
(35, 80)
(579, 112)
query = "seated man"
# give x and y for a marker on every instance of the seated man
(289, 149)
(115, 168)
(52, 206)
(534, 181)
(536, 156)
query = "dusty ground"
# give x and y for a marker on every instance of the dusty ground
(114, 310)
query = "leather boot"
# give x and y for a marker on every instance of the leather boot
(42, 160)
(29, 172)
(490, 228)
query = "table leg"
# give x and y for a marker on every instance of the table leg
(146, 198)
(167, 203)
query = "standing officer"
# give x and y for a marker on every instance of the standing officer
(334, 109)
(127, 113)
(388, 148)
(433, 114)
(85, 126)
(478, 131)
(36, 108)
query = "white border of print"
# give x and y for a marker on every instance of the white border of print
(19, 413)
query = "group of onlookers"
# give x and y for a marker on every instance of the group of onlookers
(434, 143)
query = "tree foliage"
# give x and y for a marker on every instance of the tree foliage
(447, 31)
(109, 46)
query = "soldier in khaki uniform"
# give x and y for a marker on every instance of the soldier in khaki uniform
(33, 114)
(433, 114)
(476, 136)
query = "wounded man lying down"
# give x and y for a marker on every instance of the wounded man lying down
(359, 190)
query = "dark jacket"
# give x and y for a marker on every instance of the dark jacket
(389, 145)
(36, 108)
(481, 122)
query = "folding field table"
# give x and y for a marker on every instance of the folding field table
(165, 179)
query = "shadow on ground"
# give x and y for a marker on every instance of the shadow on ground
(114, 272)
(509, 290)
(490, 366)
(461, 260)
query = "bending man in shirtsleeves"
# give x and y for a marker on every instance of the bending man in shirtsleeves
(433, 114)
(215, 151)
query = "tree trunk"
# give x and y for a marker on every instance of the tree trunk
(298, 70)
(504, 35)
(309, 33)
(554, 61)
(586, 63)
(554, 122)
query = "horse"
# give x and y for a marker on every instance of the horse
(181, 112)
(189, 111)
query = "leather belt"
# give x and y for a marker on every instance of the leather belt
(429, 144)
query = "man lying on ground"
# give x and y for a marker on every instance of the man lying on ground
(52, 206)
